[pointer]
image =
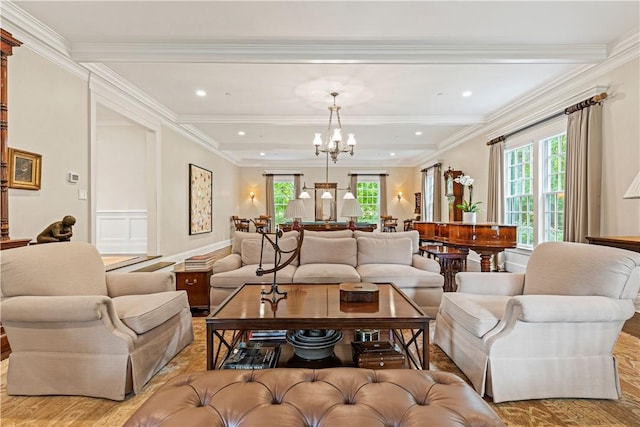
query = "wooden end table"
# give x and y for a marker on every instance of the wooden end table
(196, 283)
(316, 306)
(451, 262)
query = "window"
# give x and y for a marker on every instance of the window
(534, 184)
(368, 195)
(555, 150)
(427, 215)
(282, 193)
(519, 193)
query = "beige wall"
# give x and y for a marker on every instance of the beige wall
(399, 179)
(48, 115)
(177, 153)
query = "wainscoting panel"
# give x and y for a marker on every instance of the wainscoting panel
(121, 232)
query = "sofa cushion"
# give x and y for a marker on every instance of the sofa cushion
(317, 250)
(403, 276)
(414, 235)
(478, 314)
(240, 236)
(144, 312)
(247, 274)
(384, 251)
(251, 249)
(328, 234)
(325, 273)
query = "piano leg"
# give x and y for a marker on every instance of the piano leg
(485, 259)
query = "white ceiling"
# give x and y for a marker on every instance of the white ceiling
(400, 67)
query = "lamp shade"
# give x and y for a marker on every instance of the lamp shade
(326, 195)
(295, 209)
(351, 209)
(304, 195)
(633, 192)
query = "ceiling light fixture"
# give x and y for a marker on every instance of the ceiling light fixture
(333, 145)
(467, 93)
(201, 92)
(241, 133)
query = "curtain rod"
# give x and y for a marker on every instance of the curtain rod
(569, 110)
(435, 165)
(367, 174)
(282, 174)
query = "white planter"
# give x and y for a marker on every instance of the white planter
(469, 217)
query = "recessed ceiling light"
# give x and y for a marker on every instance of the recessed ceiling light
(418, 133)
(241, 133)
(467, 93)
(439, 93)
(262, 154)
(201, 92)
(392, 154)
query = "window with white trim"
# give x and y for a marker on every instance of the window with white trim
(534, 183)
(282, 193)
(368, 195)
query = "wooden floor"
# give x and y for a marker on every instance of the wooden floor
(632, 326)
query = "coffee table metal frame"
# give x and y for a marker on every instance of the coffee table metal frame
(407, 331)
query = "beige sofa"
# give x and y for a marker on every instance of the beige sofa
(76, 330)
(335, 257)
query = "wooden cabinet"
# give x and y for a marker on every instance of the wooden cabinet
(196, 283)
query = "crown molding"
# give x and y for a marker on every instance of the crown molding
(318, 52)
(547, 100)
(39, 38)
(414, 52)
(318, 120)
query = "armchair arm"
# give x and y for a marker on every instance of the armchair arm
(139, 283)
(92, 318)
(489, 283)
(569, 308)
(228, 263)
(424, 263)
(85, 308)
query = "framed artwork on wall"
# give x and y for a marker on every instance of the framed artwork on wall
(25, 169)
(200, 200)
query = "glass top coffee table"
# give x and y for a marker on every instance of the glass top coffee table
(316, 306)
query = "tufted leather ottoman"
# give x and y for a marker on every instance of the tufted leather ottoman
(299, 397)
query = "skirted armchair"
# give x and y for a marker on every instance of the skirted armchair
(546, 333)
(76, 330)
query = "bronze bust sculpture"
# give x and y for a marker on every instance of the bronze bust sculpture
(59, 231)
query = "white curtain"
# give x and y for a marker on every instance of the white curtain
(437, 192)
(583, 174)
(269, 200)
(423, 196)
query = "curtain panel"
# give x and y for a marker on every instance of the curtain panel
(583, 174)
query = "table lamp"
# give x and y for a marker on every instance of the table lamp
(295, 211)
(352, 210)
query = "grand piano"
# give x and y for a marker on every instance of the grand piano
(486, 239)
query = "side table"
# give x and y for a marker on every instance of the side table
(451, 261)
(196, 283)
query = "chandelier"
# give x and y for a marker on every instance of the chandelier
(333, 144)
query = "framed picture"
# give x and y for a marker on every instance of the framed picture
(25, 169)
(200, 200)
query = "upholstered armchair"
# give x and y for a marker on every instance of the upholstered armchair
(76, 330)
(545, 333)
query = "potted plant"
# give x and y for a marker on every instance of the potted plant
(468, 208)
